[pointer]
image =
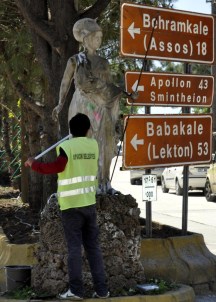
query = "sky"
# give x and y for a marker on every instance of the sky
(197, 6)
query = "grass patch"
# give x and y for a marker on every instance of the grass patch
(157, 287)
(154, 286)
(26, 293)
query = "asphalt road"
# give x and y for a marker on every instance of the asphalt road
(168, 207)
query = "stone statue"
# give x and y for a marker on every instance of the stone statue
(95, 95)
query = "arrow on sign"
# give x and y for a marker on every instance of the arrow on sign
(139, 88)
(135, 142)
(132, 30)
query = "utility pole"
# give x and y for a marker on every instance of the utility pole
(213, 69)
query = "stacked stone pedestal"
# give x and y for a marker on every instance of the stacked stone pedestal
(118, 220)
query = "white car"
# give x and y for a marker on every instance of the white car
(210, 185)
(172, 178)
(136, 175)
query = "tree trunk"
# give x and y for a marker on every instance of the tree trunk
(31, 147)
(49, 136)
(24, 155)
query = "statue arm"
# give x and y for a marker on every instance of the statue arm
(65, 86)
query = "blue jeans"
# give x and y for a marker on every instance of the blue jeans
(80, 227)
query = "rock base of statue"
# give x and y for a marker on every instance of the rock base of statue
(118, 220)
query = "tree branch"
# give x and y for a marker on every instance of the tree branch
(42, 28)
(9, 110)
(28, 100)
(95, 10)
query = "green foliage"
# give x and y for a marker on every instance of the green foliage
(26, 293)
(23, 63)
(164, 286)
(200, 69)
(199, 110)
(22, 294)
(10, 145)
(169, 67)
(18, 57)
(10, 18)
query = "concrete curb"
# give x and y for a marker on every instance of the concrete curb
(184, 294)
(185, 259)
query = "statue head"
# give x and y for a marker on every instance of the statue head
(84, 27)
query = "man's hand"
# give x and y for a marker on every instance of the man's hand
(56, 111)
(29, 162)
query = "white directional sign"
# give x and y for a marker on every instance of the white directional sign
(167, 140)
(177, 35)
(149, 186)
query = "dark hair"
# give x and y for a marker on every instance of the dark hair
(79, 125)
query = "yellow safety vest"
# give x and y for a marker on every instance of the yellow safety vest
(77, 183)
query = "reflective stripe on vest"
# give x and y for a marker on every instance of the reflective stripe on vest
(77, 191)
(74, 180)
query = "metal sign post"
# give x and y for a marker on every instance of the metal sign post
(185, 176)
(148, 204)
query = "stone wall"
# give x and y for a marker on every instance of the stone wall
(118, 219)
